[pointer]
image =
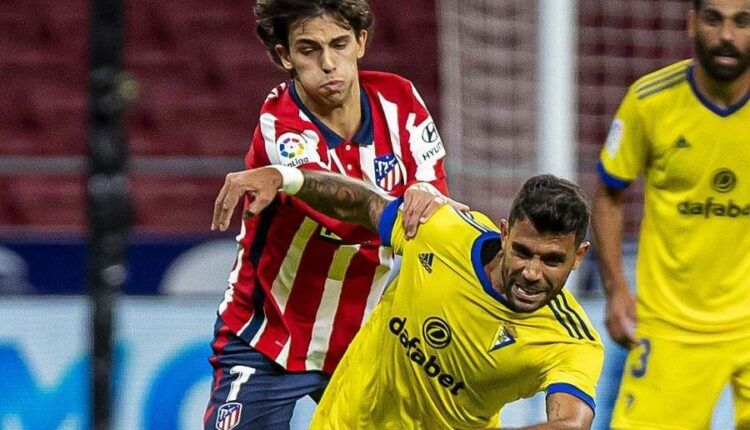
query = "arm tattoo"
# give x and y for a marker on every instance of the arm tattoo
(343, 198)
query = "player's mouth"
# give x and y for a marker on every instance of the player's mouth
(334, 86)
(528, 294)
(726, 56)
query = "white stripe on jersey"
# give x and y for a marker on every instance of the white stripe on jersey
(332, 156)
(282, 285)
(234, 274)
(323, 327)
(391, 119)
(367, 164)
(379, 281)
(268, 130)
(283, 358)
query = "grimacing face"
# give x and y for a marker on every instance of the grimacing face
(324, 55)
(535, 265)
(721, 34)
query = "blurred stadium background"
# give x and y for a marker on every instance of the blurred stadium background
(202, 76)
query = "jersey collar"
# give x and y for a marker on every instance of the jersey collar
(718, 110)
(364, 136)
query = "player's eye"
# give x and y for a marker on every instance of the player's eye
(742, 21)
(711, 18)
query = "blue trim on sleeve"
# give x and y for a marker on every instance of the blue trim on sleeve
(476, 261)
(573, 391)
(609, 180)
(718, 110)
(387, 220)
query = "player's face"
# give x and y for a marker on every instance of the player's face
(535, 266)
(323, 56)
(721, 34)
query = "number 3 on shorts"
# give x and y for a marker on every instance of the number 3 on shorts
(640, 370)
(245, 373)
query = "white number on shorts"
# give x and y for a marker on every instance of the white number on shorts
(245, 373)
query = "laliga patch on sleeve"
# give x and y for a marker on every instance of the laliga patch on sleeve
(425, 141)
(614, 138)
(295, 149)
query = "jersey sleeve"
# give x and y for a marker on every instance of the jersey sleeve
(463, 229)
(279, 143)
(425, 152)
(574, 370)
(625, 151)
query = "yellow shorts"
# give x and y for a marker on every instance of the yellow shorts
(668, 385)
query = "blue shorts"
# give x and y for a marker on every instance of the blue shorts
(250, 391)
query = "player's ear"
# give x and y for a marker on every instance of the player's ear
(284, 56)
(504, 228)
(691, 17)
(581, 253)
(361, 44)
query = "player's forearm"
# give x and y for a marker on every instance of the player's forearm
(607, 222)
(342, 198)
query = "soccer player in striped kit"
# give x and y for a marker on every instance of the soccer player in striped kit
(304, 283)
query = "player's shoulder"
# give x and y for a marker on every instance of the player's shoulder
(658, 82)
(569, 319)
(282, 107)
(387, 84)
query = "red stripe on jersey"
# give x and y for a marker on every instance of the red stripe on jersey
(222, 339)
(285, 225)
(352, 303)
(305, 298)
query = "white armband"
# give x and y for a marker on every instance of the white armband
(291, 178)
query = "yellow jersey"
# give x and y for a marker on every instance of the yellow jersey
(442, 351)
(693, 265)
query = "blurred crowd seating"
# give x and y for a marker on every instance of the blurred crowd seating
(202, 75)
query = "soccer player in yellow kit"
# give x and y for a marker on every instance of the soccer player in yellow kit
(477, 317)
(686, 128)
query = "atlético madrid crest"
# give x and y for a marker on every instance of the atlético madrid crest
(228, 416)
(387, 172)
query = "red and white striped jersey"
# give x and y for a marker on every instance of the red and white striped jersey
(303, 283)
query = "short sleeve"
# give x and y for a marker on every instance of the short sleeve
(283, 144)
(390, 226)
(425, 146)
(626, 149)
(575, 370)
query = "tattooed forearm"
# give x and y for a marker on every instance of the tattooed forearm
(343, 198)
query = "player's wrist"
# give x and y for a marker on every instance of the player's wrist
(291, 179)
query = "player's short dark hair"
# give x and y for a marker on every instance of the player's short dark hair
(553, 205)
(697, 4)
(275, 18)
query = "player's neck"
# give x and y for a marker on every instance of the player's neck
(343, 119)
(722, 93)
(494, 272)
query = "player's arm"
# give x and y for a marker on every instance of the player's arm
(565, 412)
(337, 196)
(622, 159)
(608, 222)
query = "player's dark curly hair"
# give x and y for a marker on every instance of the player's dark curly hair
(275, 18)
(553, 205)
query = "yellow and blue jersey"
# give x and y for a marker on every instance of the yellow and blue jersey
(442, 350)
(693, 268)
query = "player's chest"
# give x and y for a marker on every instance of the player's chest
(381, 163)
(703, 154)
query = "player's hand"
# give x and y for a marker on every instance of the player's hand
(262, 184)
(421, 200)
(621, 319)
